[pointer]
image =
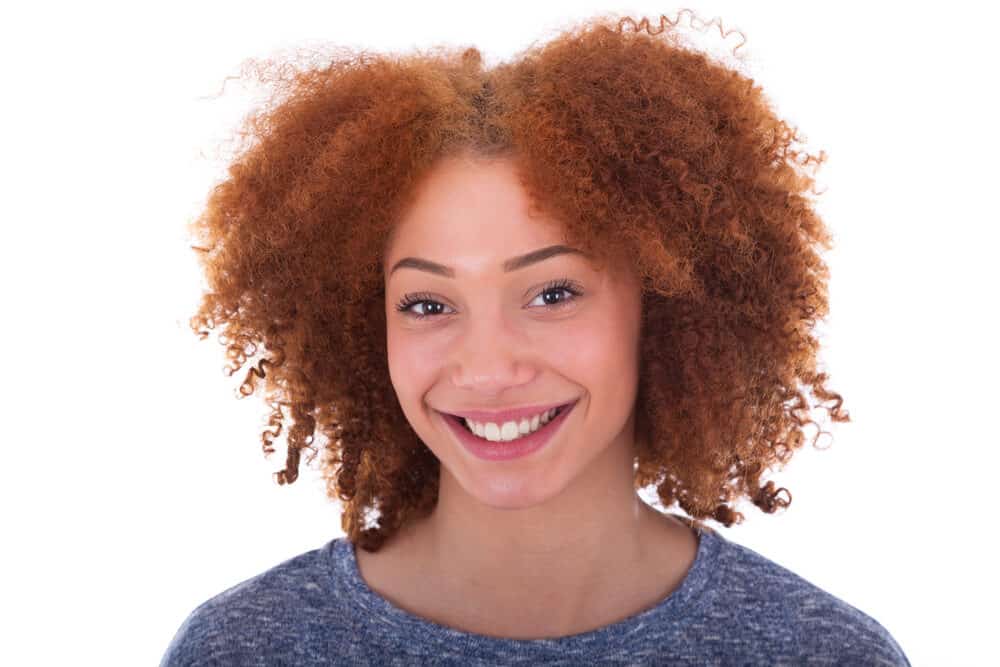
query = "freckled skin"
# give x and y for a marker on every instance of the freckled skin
(558, 540)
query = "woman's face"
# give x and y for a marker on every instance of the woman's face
(495, 337)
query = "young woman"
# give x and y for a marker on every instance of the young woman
(509, 298)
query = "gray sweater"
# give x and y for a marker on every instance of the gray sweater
(734, 607)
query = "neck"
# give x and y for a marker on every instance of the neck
(591, 555)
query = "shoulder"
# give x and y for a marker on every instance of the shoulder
(808, 622)
(267, 614)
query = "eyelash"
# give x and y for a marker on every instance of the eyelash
(410, 300)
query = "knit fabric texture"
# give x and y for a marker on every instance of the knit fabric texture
(734, 607)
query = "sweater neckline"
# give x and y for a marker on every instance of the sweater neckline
(348, 584)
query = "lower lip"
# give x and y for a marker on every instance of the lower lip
(504, 451)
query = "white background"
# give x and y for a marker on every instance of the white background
(134, 485)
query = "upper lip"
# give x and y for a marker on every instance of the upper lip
(512, 414)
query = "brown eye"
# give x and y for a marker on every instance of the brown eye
(407, 302)
(563, 286)
(554, 295)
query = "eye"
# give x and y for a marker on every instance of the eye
(410, 300)
(433, 308)
(560, 286)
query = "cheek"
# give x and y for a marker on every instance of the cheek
(602, 348)
(415, 361)
(603, 359)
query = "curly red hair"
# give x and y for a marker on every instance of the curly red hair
(647, 149)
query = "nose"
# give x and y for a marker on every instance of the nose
(492, 356)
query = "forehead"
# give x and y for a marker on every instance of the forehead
(469, 207)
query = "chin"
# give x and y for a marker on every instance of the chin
(512, 490)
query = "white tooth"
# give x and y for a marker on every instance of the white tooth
(508, 431)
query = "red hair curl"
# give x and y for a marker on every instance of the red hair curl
(648, 150)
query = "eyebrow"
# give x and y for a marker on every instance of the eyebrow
(512, 264)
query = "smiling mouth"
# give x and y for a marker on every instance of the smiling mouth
(461, 420)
